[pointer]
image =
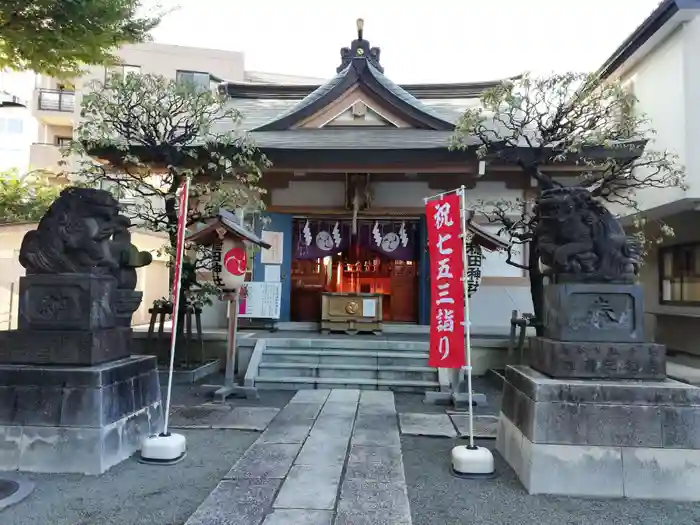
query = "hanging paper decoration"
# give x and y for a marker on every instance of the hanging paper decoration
(474, 259)
(307, 234)
(376, 234)
(403, 235)
(337, 238)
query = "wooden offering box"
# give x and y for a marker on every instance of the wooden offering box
(351, 313)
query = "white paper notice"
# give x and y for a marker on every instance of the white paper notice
(272, 273)
(369, 307)
(273, 255)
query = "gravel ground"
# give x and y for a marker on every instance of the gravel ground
(438, 497)
(132, 493)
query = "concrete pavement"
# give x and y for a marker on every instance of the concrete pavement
(328, 457)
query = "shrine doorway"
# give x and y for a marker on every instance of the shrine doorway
(380, 258)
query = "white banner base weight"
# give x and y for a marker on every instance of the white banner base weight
(163, 449)
(472, 462)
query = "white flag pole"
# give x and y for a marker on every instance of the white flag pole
(166, 448)
(470, 461)
(467, 325)
(177, 286)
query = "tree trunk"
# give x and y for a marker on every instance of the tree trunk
(171, 214)
(536, 286)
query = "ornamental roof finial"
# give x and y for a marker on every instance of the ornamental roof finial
(360, 49)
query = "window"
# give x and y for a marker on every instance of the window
(62, 142)
(11, 126)
(679, 270)
(198, 79)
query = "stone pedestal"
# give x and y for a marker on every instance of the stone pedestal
(593, 360)
(68, 319)
(595, 331)
(612, 438)
(77, 419)
(598, 312)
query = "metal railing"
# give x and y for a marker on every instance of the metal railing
(57, 100)
(6, 316)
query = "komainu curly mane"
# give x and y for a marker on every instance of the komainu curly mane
(580, 240)
(73, 235)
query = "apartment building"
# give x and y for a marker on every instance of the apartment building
(661, 64)
(56, 104)
(17, 127)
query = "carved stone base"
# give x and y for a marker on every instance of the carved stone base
(594, 312)
(126, 302)
(587, 360)
(615, 438)
(77, 419)
(64, 347)
(66, 302)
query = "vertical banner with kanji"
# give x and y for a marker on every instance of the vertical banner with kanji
(447, 290)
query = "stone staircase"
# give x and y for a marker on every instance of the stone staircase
(364, 363)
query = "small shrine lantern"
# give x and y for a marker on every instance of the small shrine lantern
(227, 237)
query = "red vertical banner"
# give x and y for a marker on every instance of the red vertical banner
(446, 288)
(183, 200)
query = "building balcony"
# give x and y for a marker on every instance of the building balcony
(55, 107)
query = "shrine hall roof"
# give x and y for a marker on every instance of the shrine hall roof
(271, 114)
(339, 139)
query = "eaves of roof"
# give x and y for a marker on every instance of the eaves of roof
(667, 16)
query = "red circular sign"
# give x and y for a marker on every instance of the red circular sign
(235, 261)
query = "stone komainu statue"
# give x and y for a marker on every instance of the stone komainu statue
(82, 232)
(580, 241)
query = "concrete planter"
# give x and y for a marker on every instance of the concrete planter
(186, 377)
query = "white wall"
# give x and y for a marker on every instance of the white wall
(404, 194)
(310, 193)
(14, 146)
(691, 70)
(666, 83)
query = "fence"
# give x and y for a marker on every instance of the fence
(56, 100)
(8, 305)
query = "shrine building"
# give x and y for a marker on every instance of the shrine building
(352, 162)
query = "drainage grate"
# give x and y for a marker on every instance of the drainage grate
(12, 492)
(7, 488)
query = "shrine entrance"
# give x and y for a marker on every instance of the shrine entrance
(380, 258)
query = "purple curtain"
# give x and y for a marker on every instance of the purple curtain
(394, 239)
(315, 239)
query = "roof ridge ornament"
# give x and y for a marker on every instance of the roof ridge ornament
(359, 50)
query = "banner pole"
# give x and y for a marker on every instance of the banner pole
(176, 299)
(467, 327)
(166, 448)
(426, 200)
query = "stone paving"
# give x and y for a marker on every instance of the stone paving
(443, 425)
(329, 456)
(218, 416)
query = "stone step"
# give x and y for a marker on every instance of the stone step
(301, 383)
(345, 357)
(683, 372)
(367, 344)
(419, 373)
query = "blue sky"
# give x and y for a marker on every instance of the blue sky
(438, 40)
